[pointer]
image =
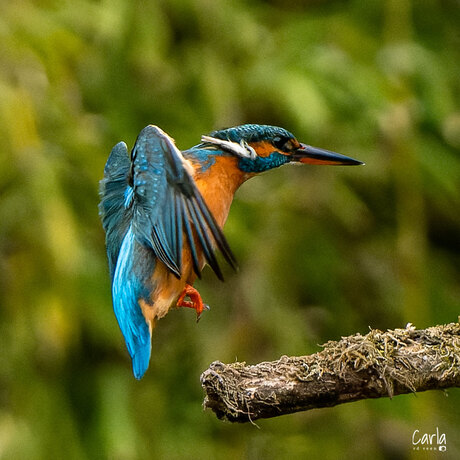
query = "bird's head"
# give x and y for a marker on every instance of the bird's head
(262, 147)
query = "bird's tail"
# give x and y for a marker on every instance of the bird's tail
(130, 284)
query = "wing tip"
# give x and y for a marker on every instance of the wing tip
(118, 158)
(120, 146)
(119, 149)
(153, 130)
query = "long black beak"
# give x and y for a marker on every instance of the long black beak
(313, 155)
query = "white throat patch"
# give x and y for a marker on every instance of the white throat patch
(241, 149)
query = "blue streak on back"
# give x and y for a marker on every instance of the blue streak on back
(129, 196)
(130, 284)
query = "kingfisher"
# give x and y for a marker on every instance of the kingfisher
(163, 211)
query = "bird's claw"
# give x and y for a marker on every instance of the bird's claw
(195, 301)
(206, 307)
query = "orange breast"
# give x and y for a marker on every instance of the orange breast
(218, 185)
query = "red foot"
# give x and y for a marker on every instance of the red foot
(195, 301)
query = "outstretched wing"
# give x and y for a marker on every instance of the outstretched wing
(167, 204)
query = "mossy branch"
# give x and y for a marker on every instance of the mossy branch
(378, 364)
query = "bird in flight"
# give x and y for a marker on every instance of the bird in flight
(163, 210)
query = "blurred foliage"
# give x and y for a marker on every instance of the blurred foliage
(323, 252)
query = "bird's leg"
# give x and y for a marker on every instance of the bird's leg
(195, 301)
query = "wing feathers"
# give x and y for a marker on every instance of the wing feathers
(190, 237)
(178, 218)
(113, 188)
(203, 238)
(166, 201)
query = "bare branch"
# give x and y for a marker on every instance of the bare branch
(379, 364)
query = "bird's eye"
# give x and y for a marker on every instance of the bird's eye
(282, 143)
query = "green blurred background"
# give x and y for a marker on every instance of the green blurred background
(323, 252)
